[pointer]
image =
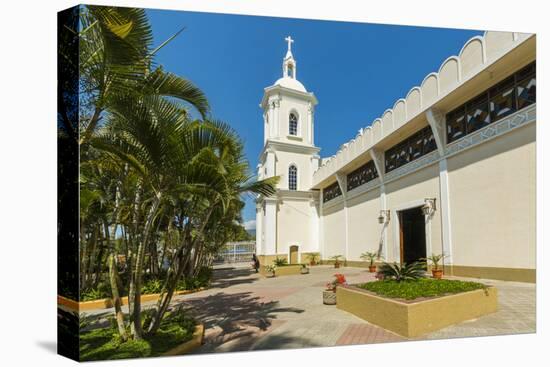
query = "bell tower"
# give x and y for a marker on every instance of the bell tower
(290, 153)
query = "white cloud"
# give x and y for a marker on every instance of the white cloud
(250, 224)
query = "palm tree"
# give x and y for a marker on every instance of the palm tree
(148, 167)
(117, 59)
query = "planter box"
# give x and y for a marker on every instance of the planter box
(414, 318)
(329, 298)
(284, 270)
(108, 303)
(190, 345)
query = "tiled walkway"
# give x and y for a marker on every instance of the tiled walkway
(244, 311)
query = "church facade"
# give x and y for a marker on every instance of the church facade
(449, 169)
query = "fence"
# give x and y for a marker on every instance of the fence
(236, 252)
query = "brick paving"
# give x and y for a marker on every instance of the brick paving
(244, 311)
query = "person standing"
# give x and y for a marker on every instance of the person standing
(255, 262)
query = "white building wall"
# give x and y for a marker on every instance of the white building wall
(334, 228)
(364, 229)
(493, 209)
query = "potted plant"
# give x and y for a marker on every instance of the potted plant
(270, 271)
(329, 294)
(336, 259)
(313, 258)
(304, 269)
(437, 272)
(370, 257)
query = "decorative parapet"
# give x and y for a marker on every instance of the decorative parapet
(476, 55)
(499, 128)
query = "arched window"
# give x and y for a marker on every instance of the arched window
(292, 124)
(292, 177)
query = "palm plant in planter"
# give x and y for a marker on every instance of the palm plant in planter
(370, 257)
(304, 269)
(313, 258)
(280, 261)
(402, 272)
(270, 270)
(336, 259)
(437, 272)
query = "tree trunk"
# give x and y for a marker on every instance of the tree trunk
(119, 315)
(171, 283)
(135, 296)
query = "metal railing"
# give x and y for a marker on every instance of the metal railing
(236, 252)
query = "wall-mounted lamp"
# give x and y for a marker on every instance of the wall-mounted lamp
(384, 216)
(429, 207)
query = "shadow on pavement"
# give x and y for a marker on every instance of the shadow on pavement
(237, 318)
(224, 278)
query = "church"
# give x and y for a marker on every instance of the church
(449, 169)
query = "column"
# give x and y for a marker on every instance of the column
(270, 240)
(378, 158)
(342, 182)
(436, 120)
(259, 220)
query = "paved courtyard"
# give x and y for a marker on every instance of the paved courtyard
(244, 311)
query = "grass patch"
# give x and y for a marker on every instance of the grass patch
(105, 344)
(426, 287)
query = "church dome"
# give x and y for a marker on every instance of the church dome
(291, 83)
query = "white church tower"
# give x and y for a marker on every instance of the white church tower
(287, 223)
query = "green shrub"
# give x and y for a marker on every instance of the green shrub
(402, 272)
(425, 287)
(280, 261)
(105, 344)
(152, 286)
(102, 290)
(92, 294)
(202, 280)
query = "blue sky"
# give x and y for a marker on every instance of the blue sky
(356, 70)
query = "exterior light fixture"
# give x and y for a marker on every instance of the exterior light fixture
(384, 216)
(429, 207)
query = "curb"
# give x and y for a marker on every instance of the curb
(108, 302)
(190, 345)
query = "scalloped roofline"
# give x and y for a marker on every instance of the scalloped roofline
(364, 131)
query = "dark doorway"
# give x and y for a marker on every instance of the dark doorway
(413, 235)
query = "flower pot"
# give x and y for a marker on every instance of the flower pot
(312, 262)
(270, 274)
(372, 268)
(336, 265)
(329, 297)
(437, 274)
(304, 270)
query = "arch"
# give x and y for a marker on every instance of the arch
(399, 113)
(414, 102)
(367, 137)
(472, 56)
(376, 131)
(387, 122)
(449, 74)
(430, 89)
(293, 123)
(292, 177)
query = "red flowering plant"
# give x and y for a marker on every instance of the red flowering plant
(340, 279)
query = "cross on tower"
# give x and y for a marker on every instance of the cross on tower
(290, 41)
